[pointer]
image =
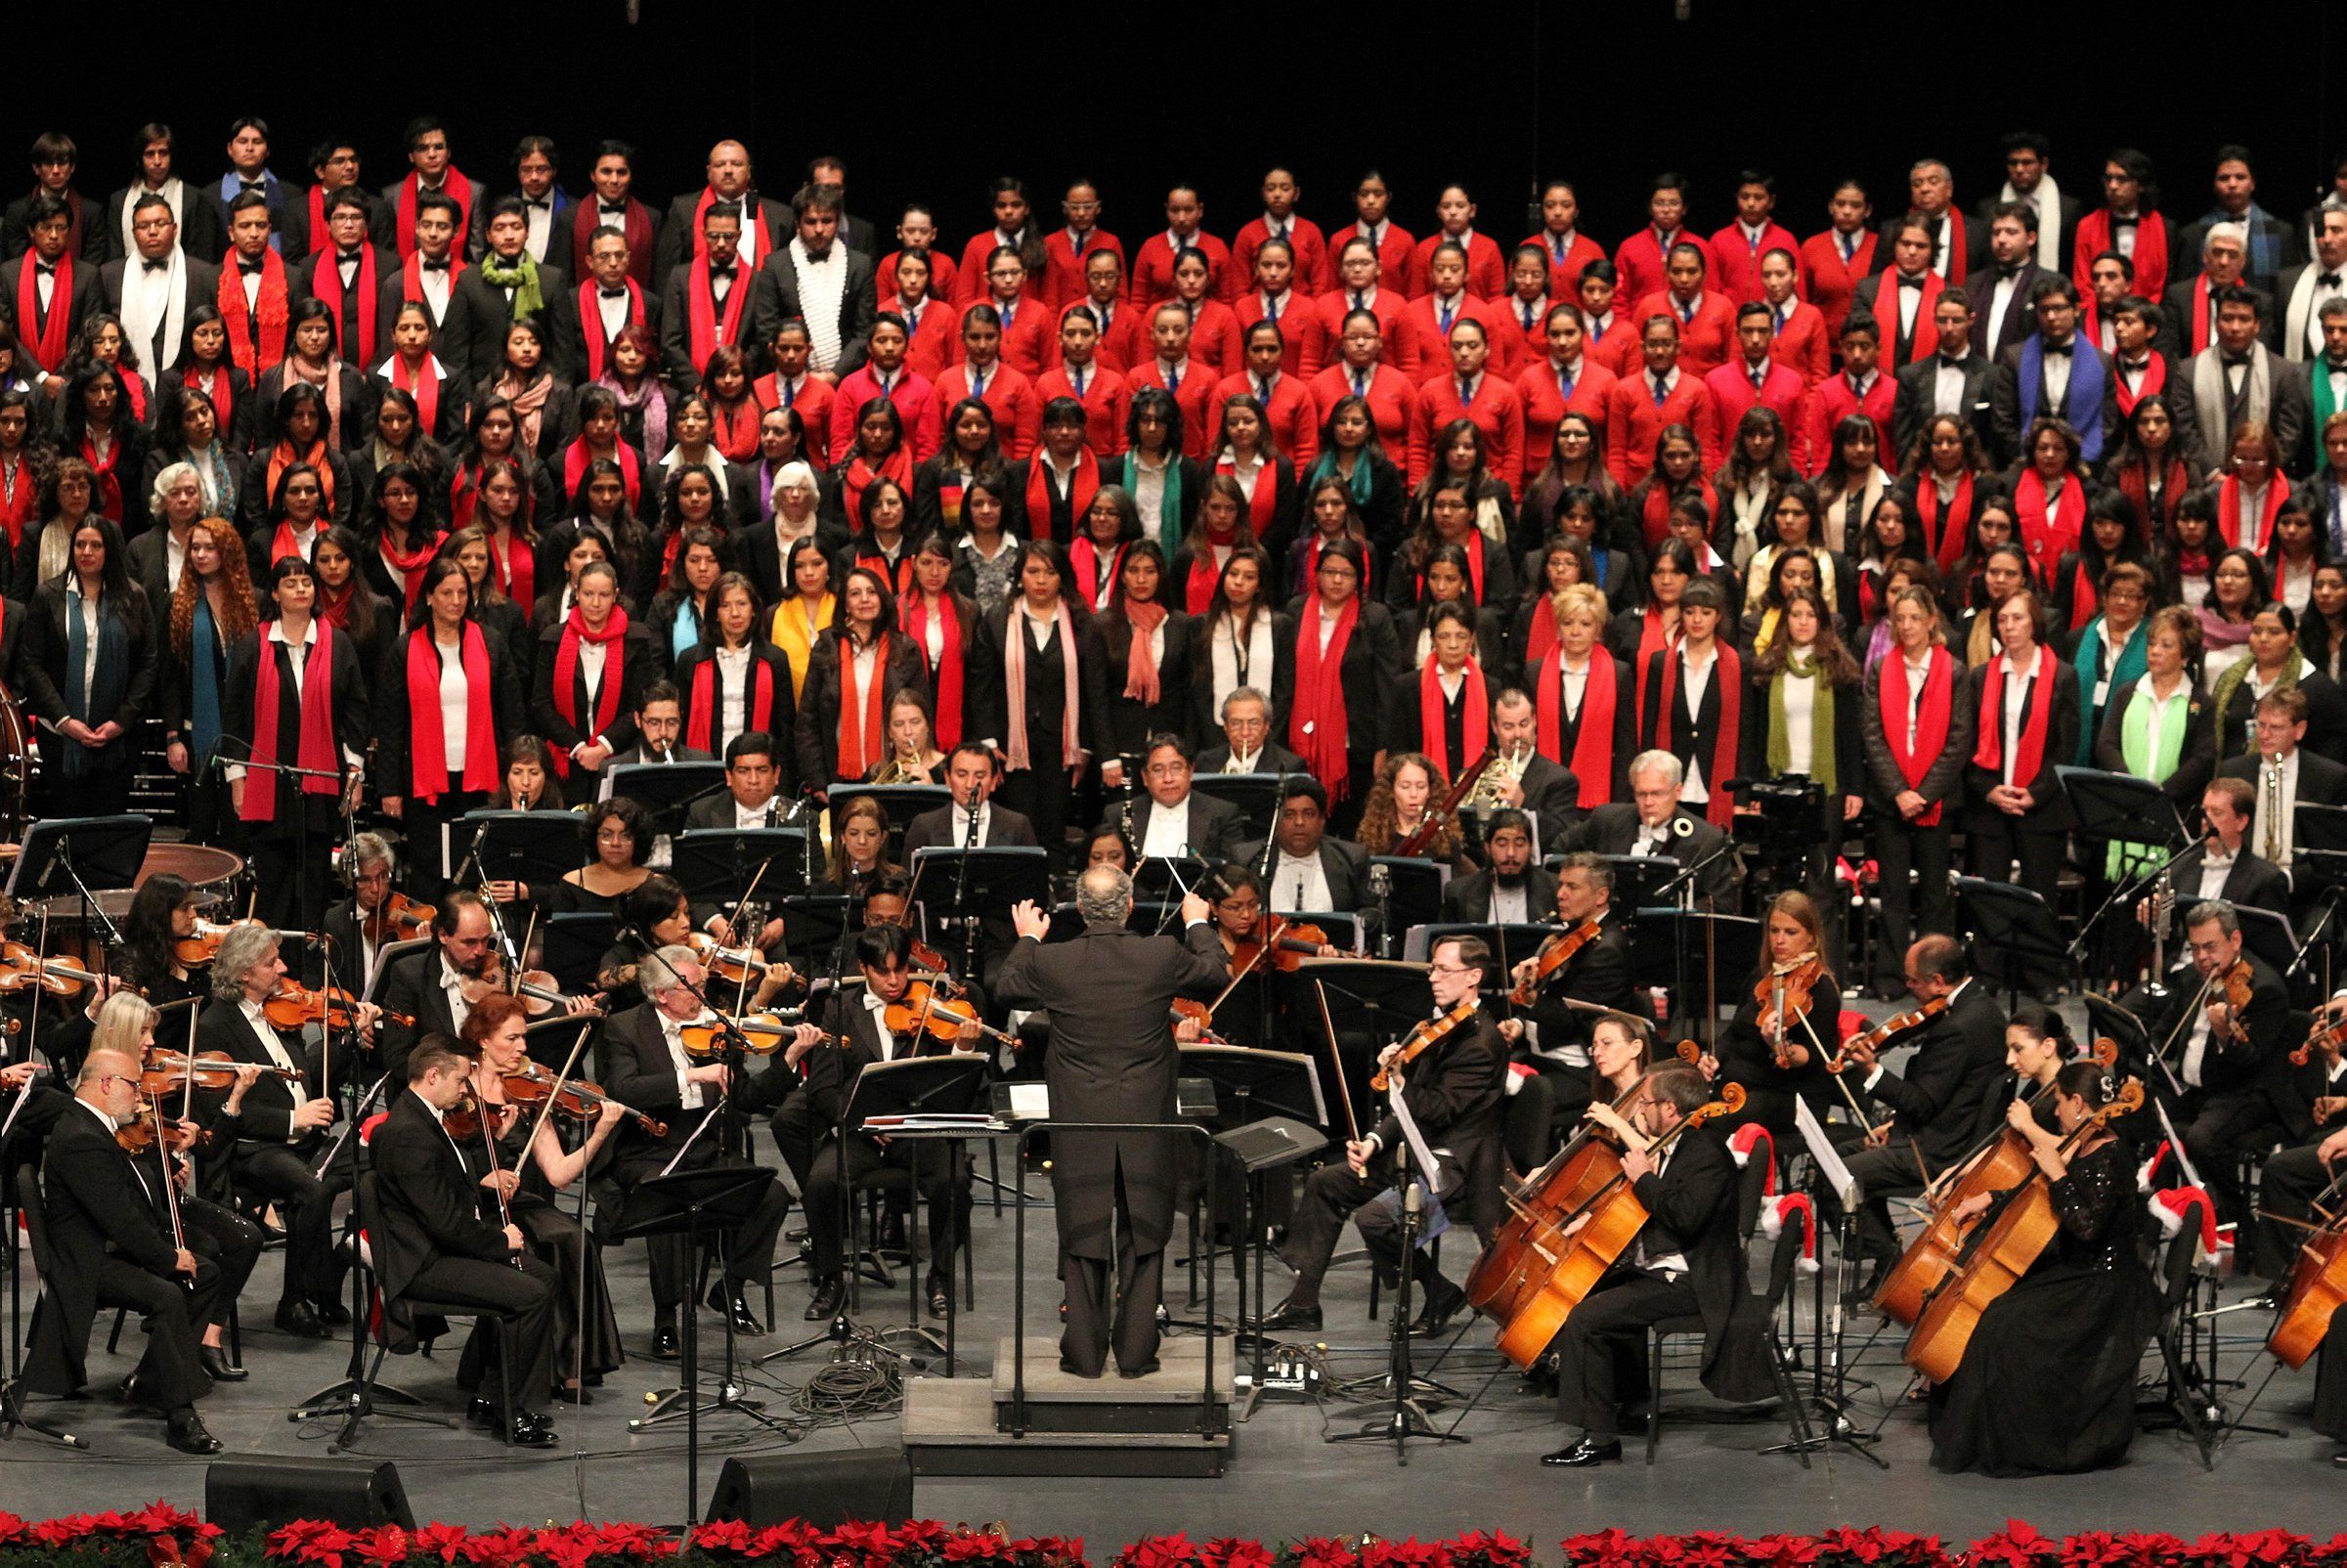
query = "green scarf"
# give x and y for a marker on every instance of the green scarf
(1821, 723)
(2324, 408)
(2221, 700)
(521, 278)
(2150, 757)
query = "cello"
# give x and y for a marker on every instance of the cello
(1557, 1245)
(1996, 1253)
(2318, 1288)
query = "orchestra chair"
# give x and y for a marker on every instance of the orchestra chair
(25, 1194)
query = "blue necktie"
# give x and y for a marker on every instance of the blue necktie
(1447, 312)
(1784, 314)
(1358, 300)
(1564, 385)
(978, 383)
(1263, 396)
(1687, 311)
(1361, 383)
(1661, 392)
(1849, 247)
(784, 386)
(1075, 380)
(882, 381)
(1270, 309)
(1173, 379)
(1527, 316)
(1466, 392)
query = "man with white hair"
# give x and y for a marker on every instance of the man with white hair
(1958, 247)
(2186, 314)
(1113, 1059)
(1655, 824)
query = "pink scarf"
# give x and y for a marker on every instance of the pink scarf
(1013, 665)
(1140, 665)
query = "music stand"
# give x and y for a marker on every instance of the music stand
(1167, 876)
(717, 865)
(694, 1203)
(664, 788)
(1511, 942)
(2122, 808)
(1639, 879)
(1251, 1086)
(1414, 896)
(572, 946)
(901, 801)
(81, 855)
(815, 924)
(1369, 998)
(2318, 840)
(1672, 949)
(999, 875)
(910, 1087)
(533, 847)
(1256, 795)
(2013, 930)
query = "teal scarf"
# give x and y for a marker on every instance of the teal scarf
(203, 660)
(1169, 505)
(2128, 666)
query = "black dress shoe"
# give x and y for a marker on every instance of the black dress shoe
(574, 1396)
(1589, 1451)
(218, 1367)
(187, 1435)
(825, 1303)
(297, 1318)
(939, 1295)
(1436, 1315)
(1075, 1371)
(1143, 1371)
(665, 1347)
(332, 1312)
(1288, 1314)
(484, 1412)
(732, 1301)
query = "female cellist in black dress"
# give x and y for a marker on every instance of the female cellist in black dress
(2047, 1383)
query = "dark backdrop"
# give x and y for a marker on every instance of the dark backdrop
(930, 104)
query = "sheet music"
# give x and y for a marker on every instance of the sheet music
(1828, 1158)
(2184, 1161)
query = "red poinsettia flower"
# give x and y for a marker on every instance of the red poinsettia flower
(1318, 1551)
(1605, 1548)
(442, 1541)
(1159, 1552)
(501, 1547)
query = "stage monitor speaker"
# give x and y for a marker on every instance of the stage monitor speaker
(241, 1495)
(826, 1490)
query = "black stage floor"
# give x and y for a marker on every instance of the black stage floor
(1284, 1481)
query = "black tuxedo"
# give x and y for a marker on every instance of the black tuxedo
(411, 985)
(676, 360)
(301, 283)
(1468, 900)
(1211, 828)
(2066, 238)
(775, 300)
(1958, 1060)
(2320, 782)
(1612, 829)
(1912, 405)
(1551, 798)
(1110, 992)
(2252, 883)
(1344, 863)
(2177, 306)
(2197, 391)
(16, 227)
(267, 1157)
(2020, 320)
(718, 812)
(1598, 972)
(295, 239)
(676, 754)
(201, 287)
(431, 1244)
(1976, 241)
(83, 299)
(108, 1246)
(679, 235)
(2005, 402)
(472, 342)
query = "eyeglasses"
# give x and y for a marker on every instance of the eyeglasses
(1448, 968)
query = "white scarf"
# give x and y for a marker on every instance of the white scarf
(138, 329)
(1016, 633)
(820, 285)
(2046, 200)
(2211, 392)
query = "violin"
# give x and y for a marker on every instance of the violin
(1286, 946)
(762, 1034)
(23, 969)
(465, 1119)
(140, 1131)
(294, 1004)
(400, 918)
(1422, 1039)
(927, 1010)
(1890, 1029)
(1784, 993)
(533, 1085)
(536, 988)
(195, 951)
(735, 966)
(929, 964)
(1555, 955)
(2325, 1041)
(164, 1071)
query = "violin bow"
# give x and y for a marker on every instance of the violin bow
(561, 1080)
(1344, 1092)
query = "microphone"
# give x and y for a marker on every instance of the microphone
(308, 939)
(1381, 881)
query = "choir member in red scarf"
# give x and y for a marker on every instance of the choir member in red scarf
(1112, 526)
(734, 414)
(599, 440)
(1041, 699)
(1359, 289)
(1450, 718)
(1155, 262)
(941, 621)
(96, 423)
(1347, 663)
(301, 220)
(431, 173)
(358, 612)
(504, 517)
(1067, 252)
(1911, 330)
(706, 301)
(1171, 369)
(255, 288)
(206, 369)
(1861, 389)
(295, 517)
(402, 535)
(90, 701)
(981, 373)
(298, 430)
(1918, 726)
(2024, 705)
(591, 666)
(882, 543)
(2138, 369)
(1470, 391)
(929, 321)
(414, 371)
(429, 276)
(1359, 371)
(296, 699)
(1289, 417)
(877, 451)
(443, 709)
(1661, 394)
(19, 485)
(347, 275)
(2049, 487)
(1219, 530)
(971, 448)
(2126, 223)
(1738, 248)
(885, 375)
(1056, 485)
(54, 158)
(733, 682)
(1707, 317)
(609, 300)
(1152, 649)
(1584, 698)
(1078, 374)
(1958, 247)
(496, 436)
(1945, 479)
(2152, 469)
(853, 670)
(1638, 261)
(2110, 279)
(1246, 453)
(47, 291)
(613, 205)
(1835, 262)
(1693, 704)
(310, 359)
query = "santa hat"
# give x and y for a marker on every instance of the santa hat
(2147, 1174)
(1793, 1209)
(1741, 1145)
(2174, 1208)
(1519, 1074)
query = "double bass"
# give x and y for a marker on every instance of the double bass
(1544, 1259)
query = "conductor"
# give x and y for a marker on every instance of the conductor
(1111, 995)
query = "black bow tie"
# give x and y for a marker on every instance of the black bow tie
(2234, 361)
(2061, 349)
(2328, 280)
(243, 185)
(1947, 363)
(156, 266)
(2136, 366)
(250, 269)
(349, 257)
(431, 265)
(612, 293)
(1905, 281)
(2009, 272)
(543, 203)
(717, 272)
(45, 269)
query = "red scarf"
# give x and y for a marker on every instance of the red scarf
(2229, 510)
(1930, 718)
(21, 502)
(1592, 760)
(701, 722)
(858, 477)
(109, 497)
(2044, 539)
(516, 568)
(2156, 379)
(2150, 251)
(577, 457)
(1727, 680)
(1474, 729)
(1656, 512)
(1651, 641)
(948, 678)
(1039, 490)
(136, 384)
(2084, 601)
(47, 347)
(282, 544)
(2199, 338)
(424, 389)
(429, 765)
(575, 631)
(1198, 591)
(1945, 538)
(1261, 505)
(1316, 722)
(453, 185)
(410, 566)
(1926, 340)
(591, 318)
(2137, 487)
(1990, 754)
(862, 747)
(325, 284)
(1540, 634)
(283, 456)
(218, 385)
(268, 313)
(708, 329)
(411, 288)
(733, 426)
(317, 744)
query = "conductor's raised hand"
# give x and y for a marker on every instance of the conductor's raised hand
(1029, 920)
(1193, 908)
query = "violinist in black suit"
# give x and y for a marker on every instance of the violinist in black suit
(648, 1068)
(109, 1245)
(1656, 824)
(1552, 1036)
(2224, 1057)
(432, 1243)
(1687, 1260)
(856, 1020)
(428, 986)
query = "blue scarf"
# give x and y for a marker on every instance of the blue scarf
(2082, 401)
(2128, 666)
(102, 699)
(685, 635)
(1325, 467)
(203, 655)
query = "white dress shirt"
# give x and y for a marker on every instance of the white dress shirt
(1299, 884)
(1168, 833)
(275, 1050)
